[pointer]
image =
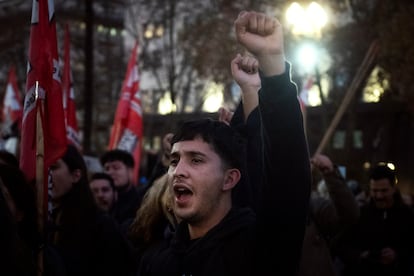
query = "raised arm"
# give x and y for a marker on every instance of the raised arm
(286, 190)
(341, 209)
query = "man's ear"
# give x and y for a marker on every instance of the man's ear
(232, 177)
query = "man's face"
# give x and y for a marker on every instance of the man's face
(119, 172)
(103, 193)
(382, 193)
(198, 178)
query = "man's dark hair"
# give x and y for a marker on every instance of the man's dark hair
(105, 176)
(118, 155)
(225, 140)
(381, 171)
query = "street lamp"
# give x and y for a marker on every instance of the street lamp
(152, 30)
(307, 22)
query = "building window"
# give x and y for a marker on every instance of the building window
(357, 139)
(339, 139)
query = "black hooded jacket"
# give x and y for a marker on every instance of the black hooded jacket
(264, 236)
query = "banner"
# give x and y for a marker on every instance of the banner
(12, 102)
(69, 106)
(127, 128)
(43, 92)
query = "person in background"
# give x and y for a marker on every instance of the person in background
(103, 190)
(381, 242)
(215, 236)
(19, 197)
(359, 193)
(84, 240)
(328, 218)
(119, 164)
(155, 219)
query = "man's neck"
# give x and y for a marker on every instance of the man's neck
(198, 230)
(124, 189)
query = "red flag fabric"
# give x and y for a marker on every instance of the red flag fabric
(304, 93)
(12, 101)
(69, 106)
(43, 69)
(127, 128)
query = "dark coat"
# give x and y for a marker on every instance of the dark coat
(328, 218)
(102, 250)
(375, 230)
(248, 242)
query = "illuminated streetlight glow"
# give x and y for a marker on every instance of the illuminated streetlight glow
(391, 166)
(214, 97)
(153, 31)
(307, 21)
(307, 56)
(149, 31)
(165, 105)
(159, 31)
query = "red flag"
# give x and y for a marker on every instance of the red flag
(12, 102)
(127, 130)
(72, 131)
(304, 93)
(43, 69)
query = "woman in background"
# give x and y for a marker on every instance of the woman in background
(85, 240)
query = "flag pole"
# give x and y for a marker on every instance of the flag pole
(40, 176)
(356, 83)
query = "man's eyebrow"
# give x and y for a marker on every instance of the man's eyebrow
(189, 152)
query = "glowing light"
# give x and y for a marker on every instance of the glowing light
(214, 97)
(391, 166)
(308, 21)
(149, 31)
(165, 105)
(159, 31)
(113, 32)
(307, 56)
(376, 87)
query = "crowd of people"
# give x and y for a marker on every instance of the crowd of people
(233, 196)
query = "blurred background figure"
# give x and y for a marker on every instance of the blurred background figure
(155, 220)
(330, 214)
(119, 164)
(86, 240)
(382, 241)
(104, 192)
(19, 235)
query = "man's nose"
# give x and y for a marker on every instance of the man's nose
(179, 169)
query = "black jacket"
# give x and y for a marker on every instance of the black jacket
(375, 230)
(268, 235)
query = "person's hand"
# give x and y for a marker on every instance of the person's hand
(244, 70)
(225, 115)
(323, 163)
(388, 256)
(262, 36)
